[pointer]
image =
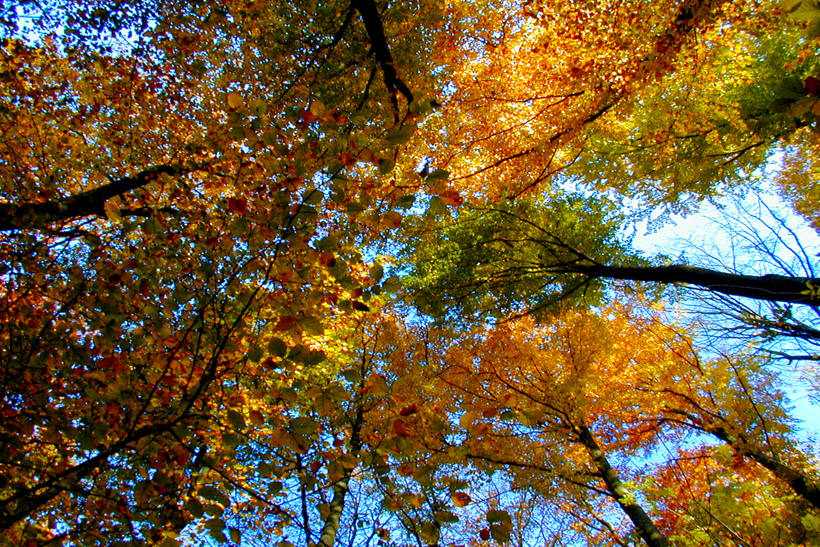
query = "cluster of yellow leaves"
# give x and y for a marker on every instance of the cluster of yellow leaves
(539, 87)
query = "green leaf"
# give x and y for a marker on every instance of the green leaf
(437, 176)
(218, 535)
(213, 494)
(337, 393)
(312, 326)
(195, 507)
(236, 419)
(406, 201)
(791, 88)
(445, 517)
(277, 347)
(354, 207)
(312, 197)
(376, 272)
(255, 354)
(327, 243)
(501, 532)
(429, 532)
(436, 207)
(236, 535)
(303, 354)
(399, 135)
(214, 524)
(308, 210)
(814, 30)
(258, 106)
(807, 10)
(339, 270)
(495, 516)
(352, 375)
(386, 166)
(303, 426)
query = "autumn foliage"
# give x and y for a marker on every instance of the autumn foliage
(318, 272)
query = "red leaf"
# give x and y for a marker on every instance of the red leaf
(405, 470)
(485, 534)
(409, 410)
(112, 363)
(360, 306)
(238, 205)
(812, 86)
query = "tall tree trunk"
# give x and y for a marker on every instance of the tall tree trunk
(772, 288)
(646, 528)
(331, 526)
(330, 529)
(802, 485)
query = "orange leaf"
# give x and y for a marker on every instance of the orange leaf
(256, 417)
(285, 323)
(235, 100)
(392, 219)
(405, 470)
(451, 198)
(402, 429)
(461, 499)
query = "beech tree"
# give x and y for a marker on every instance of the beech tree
(529, 256)
(215, 217)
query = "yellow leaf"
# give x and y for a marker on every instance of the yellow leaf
(235, 100)
(112, 211)
(467, 419)
(414, 500)
(317, 108)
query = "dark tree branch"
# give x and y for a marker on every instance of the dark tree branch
(86, 204)
(772, 288)
(801, 484)
(28, 500)
(369, 13)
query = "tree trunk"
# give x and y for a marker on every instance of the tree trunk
(772, 288)
(802, 486)
(646, 528)
(337, 505)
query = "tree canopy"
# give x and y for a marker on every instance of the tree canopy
(369, 273)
